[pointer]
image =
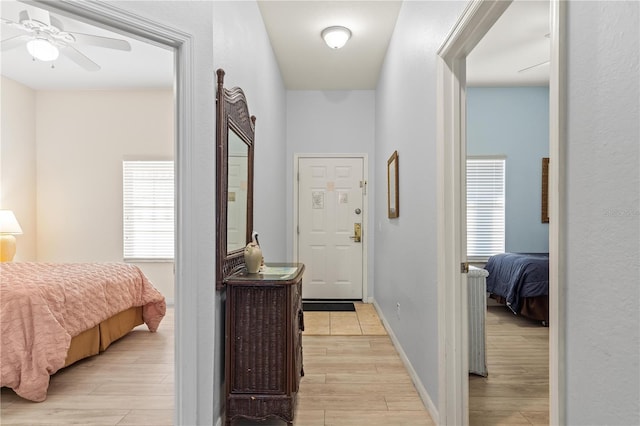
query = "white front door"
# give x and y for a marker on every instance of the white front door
(330, 207)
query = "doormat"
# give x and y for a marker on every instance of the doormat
(328, 307)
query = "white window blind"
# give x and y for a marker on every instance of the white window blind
(485, 207)
(148, 216)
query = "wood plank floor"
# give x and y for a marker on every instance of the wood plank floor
(516, 391)
(131, 383)
(354, 376)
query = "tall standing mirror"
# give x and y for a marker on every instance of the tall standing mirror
(235, 132)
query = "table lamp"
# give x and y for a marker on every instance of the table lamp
(9, 227)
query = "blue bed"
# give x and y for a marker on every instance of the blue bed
(521, 281)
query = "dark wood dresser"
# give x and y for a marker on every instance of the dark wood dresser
(263, 350)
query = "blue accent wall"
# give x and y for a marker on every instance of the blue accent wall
(514, 122)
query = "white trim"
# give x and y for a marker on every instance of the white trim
(557, 217)
(424, 395)
(474, 23)
(476, 20)
(365, 213)
(186, 348)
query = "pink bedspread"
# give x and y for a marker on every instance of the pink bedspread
(44, 305)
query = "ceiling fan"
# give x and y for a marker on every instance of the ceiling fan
(538, 64)
(45, 39)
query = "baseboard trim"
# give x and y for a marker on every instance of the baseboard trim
(424, 395)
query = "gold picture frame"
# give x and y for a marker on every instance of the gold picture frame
(545, 190)
(393, 195)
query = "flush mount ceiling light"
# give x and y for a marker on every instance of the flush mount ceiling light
(42, 49)
(336, 37)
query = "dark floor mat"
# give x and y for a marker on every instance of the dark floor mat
(328, 307)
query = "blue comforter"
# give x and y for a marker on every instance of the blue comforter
(517, 275)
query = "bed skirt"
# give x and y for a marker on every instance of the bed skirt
(535, 308)
(97, 339)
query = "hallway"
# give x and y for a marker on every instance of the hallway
(353, 374)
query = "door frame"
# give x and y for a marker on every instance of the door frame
(365, 210)
(186, 268)
(453, 390)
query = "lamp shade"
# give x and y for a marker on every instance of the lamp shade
(42, 49)
(8, 223)
(336, 37)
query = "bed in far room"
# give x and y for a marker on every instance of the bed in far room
(521, 281)
(54, 314)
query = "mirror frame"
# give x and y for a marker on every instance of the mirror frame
(232, 112)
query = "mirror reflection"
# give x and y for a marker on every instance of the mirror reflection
(237, 184)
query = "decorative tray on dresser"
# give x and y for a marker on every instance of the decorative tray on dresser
(263, 342)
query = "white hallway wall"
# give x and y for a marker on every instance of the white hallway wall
(406, 249)
(243, 50)
(330, 122)
(603, 214)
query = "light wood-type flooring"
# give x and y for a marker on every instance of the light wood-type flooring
(131, 383)
(354, 376)
(516, 391)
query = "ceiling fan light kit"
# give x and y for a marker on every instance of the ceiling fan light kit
(46, 39)
(336, 37)
(42, 49)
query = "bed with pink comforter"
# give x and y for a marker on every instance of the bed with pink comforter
(45, 305)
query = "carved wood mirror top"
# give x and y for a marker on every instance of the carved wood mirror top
(235, 132)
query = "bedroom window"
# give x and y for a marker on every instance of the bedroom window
(485, 206)
(148, 212)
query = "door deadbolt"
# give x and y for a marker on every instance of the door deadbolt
(357, 231)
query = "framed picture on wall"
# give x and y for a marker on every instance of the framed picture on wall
(545, 190)
(393, 195)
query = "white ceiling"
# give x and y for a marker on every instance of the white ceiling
(515, 42)
(306, 62)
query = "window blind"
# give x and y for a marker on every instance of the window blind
(485, 207)
(148, 210)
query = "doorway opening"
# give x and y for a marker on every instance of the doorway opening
(475, 22)
(185, 267)
(507, 138)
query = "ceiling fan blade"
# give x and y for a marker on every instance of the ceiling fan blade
(79, 58)
(534, 66)
(8, 21)
(35, 14)
(13, 42)
(13, 24)
(107, 42)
